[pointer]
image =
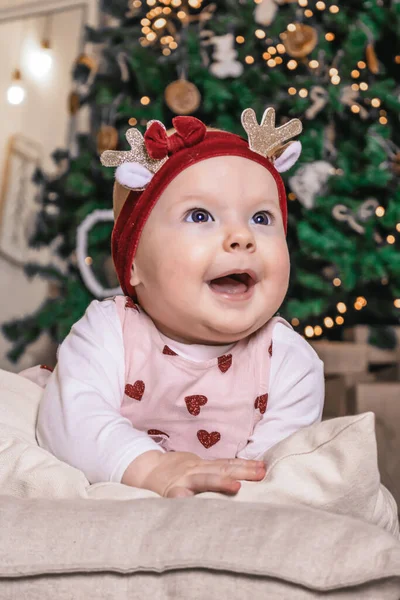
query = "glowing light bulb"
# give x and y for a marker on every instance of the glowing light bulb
(160, 23)
(41, 61)
(16, 91)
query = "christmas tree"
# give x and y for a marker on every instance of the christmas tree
(335, 66)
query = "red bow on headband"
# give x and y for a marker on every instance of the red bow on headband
(189, 132)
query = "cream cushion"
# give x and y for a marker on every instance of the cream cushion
(190, 550)
(330, 465)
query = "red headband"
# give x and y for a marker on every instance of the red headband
(155, 160)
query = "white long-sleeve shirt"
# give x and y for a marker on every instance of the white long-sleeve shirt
(79, 417)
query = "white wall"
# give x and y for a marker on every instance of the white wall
(44, 118)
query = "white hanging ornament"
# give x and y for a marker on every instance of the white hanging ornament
(349, 97)
(366, 211)
(319, 97)
(309, 180)
(225, 57)
(265, 12)
(82, 232)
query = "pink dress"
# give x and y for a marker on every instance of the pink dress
(209, 407)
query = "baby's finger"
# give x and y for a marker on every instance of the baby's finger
(179, 492)
(243, 472)
(233, 471)
(209, 482)
(237, 461)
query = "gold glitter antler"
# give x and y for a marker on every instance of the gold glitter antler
(137, 154)
(265, 139)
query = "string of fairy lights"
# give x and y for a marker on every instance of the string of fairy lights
(158, 24)
(311, 331)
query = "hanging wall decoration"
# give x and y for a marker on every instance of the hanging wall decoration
(17, 198)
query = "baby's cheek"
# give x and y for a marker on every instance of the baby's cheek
(279, 270)
(280, 258)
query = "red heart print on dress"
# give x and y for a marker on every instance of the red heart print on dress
(136, 390)
(270, 349)
(168, 350)
(261, 403)
(208, 439)
(157, 432)
(224, 362)
(193, 404)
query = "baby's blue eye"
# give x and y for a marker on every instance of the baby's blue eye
(200, 216)
(198, 212)
(264, 212)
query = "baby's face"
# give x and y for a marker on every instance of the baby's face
(218, 216)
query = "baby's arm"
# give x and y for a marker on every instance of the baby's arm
(79, 416)
(296, 392)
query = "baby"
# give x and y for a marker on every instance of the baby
(182, 384)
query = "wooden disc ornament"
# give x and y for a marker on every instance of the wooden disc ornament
(301, 41)
(182, 97)
(107, 138)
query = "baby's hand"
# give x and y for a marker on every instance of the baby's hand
(181, 474)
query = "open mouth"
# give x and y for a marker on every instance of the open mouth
(233, 283)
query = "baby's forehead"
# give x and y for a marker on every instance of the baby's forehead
(235, 175)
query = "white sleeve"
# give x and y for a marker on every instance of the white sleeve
(296, 392)
(79, 417)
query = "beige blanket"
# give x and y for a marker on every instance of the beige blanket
(330, 466)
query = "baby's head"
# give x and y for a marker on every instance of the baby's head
(213, 208)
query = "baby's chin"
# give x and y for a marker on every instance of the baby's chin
(223, 333)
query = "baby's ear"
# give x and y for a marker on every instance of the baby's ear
(288, 157)
(135, 280)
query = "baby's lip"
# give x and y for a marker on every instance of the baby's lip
(251, 279)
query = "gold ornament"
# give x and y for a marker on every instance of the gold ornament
(87, 61)
(265, 139)
(74, 102)
(372, 61)
(300, 42)
(107, 138)
(182, 97)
